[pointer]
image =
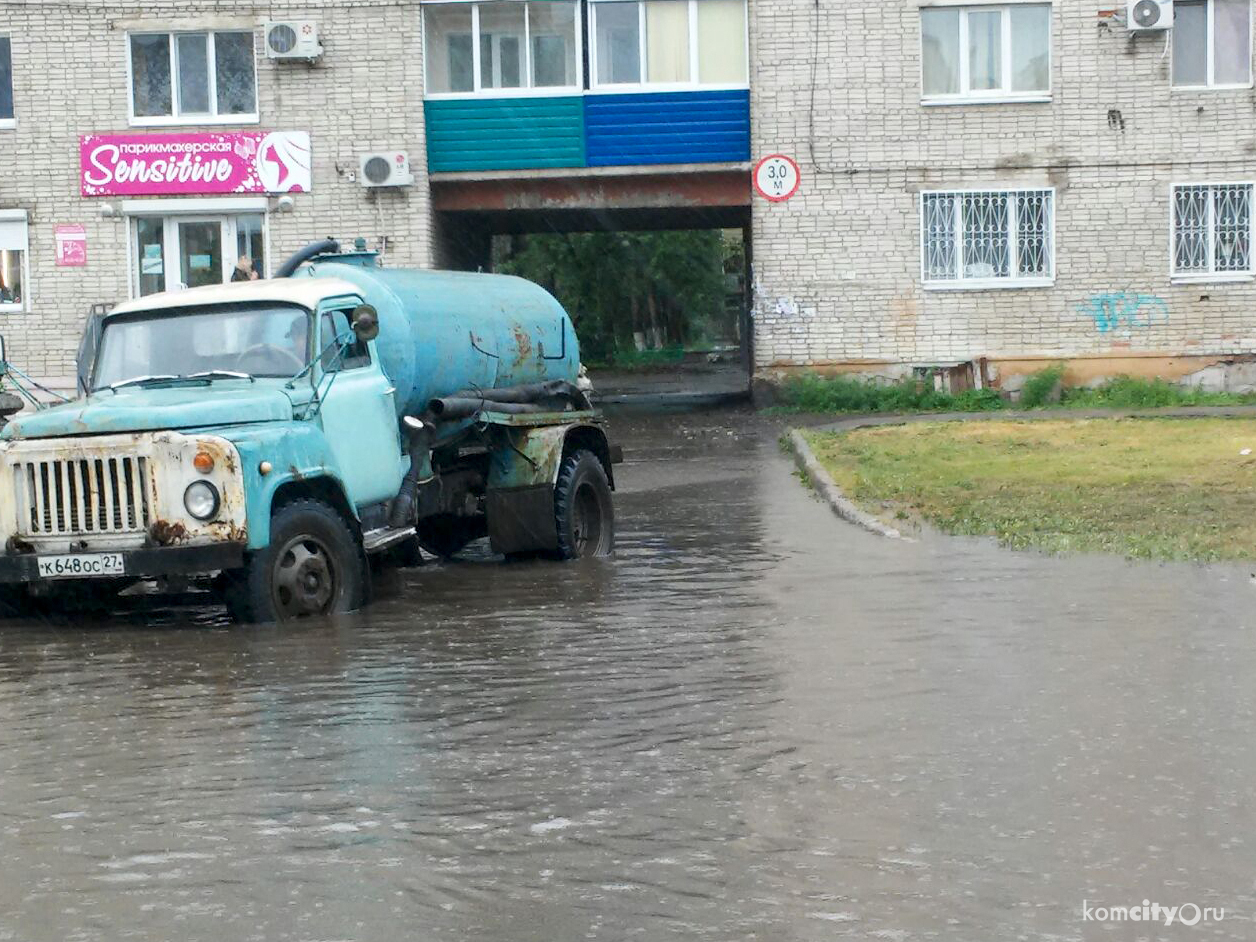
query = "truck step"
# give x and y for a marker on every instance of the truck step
(378, 540)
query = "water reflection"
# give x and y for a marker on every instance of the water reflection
(753, 722)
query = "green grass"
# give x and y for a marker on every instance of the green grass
(1147, 487)
(640, 359)
(842, 394)
(1125, 392)
(1038, 388)
(813, 393)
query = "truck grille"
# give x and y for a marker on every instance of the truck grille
(82, 495)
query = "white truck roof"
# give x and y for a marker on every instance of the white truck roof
(307, 292)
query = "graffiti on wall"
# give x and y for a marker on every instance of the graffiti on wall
(1125, 310)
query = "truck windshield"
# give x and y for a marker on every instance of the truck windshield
(260, 340)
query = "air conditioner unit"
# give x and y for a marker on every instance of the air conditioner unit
(292, 39)
(385, 169)
(1148, 15)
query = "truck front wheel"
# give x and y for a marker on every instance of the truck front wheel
(582, 507)
(312, 567)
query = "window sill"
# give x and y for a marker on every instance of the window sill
(989, 284)
(642, 89)
(1209, 88)
(195, 121)
(8, 124)
(12, 309)
(1214, 278)
(987, 100)
(564, 91)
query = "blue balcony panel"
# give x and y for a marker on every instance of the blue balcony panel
(667, 128)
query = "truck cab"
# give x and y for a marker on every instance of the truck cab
(258, 436)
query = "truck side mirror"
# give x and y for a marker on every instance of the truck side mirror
(365, 322)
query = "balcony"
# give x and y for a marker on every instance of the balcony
(512, 86)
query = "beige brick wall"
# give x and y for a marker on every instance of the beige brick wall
(837, 268)
(70, 78)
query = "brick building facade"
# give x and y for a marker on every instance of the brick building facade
(1018, 182)
(71, 76)
(1106, 130)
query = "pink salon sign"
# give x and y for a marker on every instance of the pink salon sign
(194, 164)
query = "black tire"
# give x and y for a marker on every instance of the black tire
(583, 510)
(445, 535)
(313, 567)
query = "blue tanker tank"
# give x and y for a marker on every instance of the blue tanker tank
(444, 331)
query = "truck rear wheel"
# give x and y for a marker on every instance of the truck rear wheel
(582, 507)
(312, 567)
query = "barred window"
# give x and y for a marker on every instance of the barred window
(1212, 229)
(988, 238)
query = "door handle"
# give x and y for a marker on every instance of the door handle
(389, 391)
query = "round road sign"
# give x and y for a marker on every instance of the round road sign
(777, 178)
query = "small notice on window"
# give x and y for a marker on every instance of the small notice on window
(199, 262)
(150, 264)
(777, 178)
(71, 241)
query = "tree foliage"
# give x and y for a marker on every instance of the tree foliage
(667, 286)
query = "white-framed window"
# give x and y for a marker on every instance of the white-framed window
(192, 78)
(987, 53)
(1212, 232)
(1212, 43)
(987, 238)
(7, 119)
(668, 44)
(14, 261)
(501, 48)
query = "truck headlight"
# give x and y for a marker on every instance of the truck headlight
(201, 500)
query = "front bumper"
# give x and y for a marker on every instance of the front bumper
(139, 563)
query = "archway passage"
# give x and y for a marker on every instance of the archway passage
(653, 267)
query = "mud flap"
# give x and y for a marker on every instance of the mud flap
(521, 519)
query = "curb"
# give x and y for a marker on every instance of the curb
(840, 504)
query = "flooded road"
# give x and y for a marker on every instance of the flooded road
(755, 722)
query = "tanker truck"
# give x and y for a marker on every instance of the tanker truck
(278, 440)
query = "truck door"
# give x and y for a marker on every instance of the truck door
(358, 415)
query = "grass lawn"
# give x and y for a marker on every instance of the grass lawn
(1147, 487)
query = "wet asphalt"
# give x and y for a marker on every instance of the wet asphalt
(754, 722)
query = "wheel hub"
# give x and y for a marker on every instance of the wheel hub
(586, 520)
(304, 581)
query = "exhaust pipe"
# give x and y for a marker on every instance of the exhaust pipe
(402, 512)
(300, 256)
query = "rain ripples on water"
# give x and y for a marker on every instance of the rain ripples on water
(752, 722)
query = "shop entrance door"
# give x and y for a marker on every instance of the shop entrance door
(201, 260)
(170, 253)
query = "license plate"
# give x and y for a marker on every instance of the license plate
(80, 566)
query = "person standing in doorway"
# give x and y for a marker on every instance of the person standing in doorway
(244, 270)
